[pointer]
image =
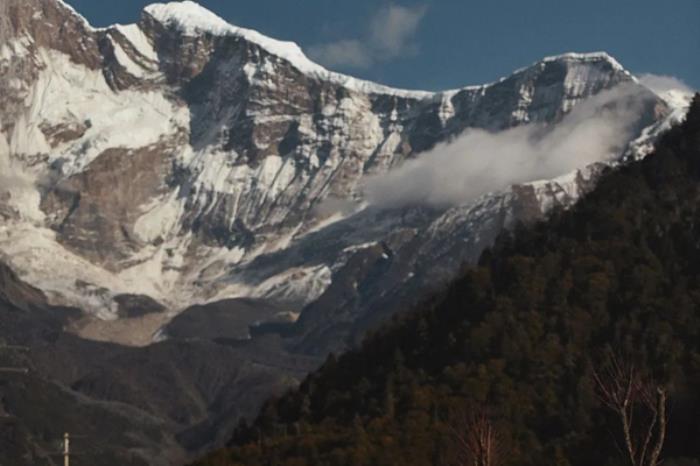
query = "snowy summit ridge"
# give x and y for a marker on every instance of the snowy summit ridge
(590, 56)
(189, 17)
(192, 19)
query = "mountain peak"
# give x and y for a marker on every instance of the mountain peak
(586, 57)
(75, 13)
(190, 18)
(578, 57)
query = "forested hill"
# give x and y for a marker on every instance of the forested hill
(516, 343)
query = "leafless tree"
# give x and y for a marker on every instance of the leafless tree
(640, 405)
(479, 442)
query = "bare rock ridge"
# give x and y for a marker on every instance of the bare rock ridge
(190, 161)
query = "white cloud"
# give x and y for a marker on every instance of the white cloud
(663, 83)
(390, 34)
(675, 92)
(479, 162)
(348, 52)
(393, 29)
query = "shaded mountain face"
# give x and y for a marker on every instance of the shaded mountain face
(35, 409)
(159, 405)
(185, 160)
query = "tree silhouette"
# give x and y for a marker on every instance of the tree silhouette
(478, 441)
(640, 406)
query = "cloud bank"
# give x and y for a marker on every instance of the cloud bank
(479, 162)
(390, 34)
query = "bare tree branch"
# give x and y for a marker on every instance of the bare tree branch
(640, 405)
(479, 442)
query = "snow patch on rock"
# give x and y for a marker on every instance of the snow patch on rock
(129, 65)
(139, 40)
(66, 91)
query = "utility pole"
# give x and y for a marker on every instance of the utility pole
(66, 449)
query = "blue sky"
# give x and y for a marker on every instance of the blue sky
(442, 44)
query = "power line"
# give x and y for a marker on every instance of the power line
(4, 416)
(14, 348)
(14, 370)
(66, 452)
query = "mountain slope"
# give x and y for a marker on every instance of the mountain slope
(160, 405)
(179, 157)
(521, 333)
(35, 410)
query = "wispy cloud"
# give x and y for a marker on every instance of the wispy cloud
(479, 162)
(663, 83)
(393, 29)
(390, 34)
(348, 52)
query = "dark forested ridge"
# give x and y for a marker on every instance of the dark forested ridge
(519, 339)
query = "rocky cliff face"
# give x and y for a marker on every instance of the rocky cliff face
(189, 160)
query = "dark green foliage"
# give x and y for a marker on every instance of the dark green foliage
(521, 333)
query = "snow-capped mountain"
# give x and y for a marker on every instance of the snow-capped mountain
(188, 160)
